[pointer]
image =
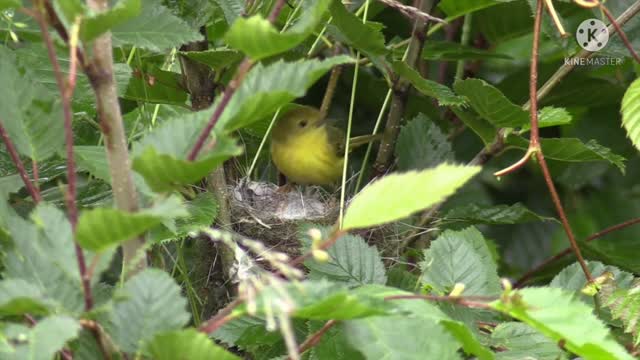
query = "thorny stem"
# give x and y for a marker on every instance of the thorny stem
(534, 142)
(529, 274)
(234, 84)
(13, 153)
(66, 91)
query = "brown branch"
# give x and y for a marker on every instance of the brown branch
(620, 32)
(315, 338)
(529, 274)
(66, 92)
(331, 87)
(468, 301)
(222, 317)
(99, 70)
(400, 93)
(241, 72)
(13, 153)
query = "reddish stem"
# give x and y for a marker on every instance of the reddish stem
(66, 91)
(315, 338)
(620, 32)
(221, 318)
(529, 274)
(13, 153)
(242, 70)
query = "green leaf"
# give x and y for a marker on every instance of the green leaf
(520, 341)
(350, 30)
(155, 29)
(24, 107)
(332, 345)
(102, 228)
(494, 215)
(551, 116)
(99, 23)
(572, 150)
(10, 184)
(186, 344)
(491, 104)
(421, 144)
(268, 87)
(625, 305)
(572, 278)
(258, 38)
(440, 92)
(160, 157)
(561, 317)
(10, 4)
(232, 9)
(397, 196)
(460, 257)
(246, 332)
(452, 51)
(18, 297)
(480, 126)
(394, 337)
(42, 341)
(351, 261)
(150, 303)
(166, 88)
(216, 59)
(631, 112)
(93, 159)
(202, 212)
(43, 256)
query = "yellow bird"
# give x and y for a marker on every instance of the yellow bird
(309, 151)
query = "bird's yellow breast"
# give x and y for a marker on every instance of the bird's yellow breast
(308, 157)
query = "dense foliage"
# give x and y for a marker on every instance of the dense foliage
(494, 220)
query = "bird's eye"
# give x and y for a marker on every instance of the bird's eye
(302, 123)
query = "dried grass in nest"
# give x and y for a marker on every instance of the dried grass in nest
(261, 212)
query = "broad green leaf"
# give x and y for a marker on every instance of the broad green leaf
(160, 157)
(332, 345)
(10, 184)
(18, 297)
(452, 51)
(42, 341)
(631, 112)
(394, 337)
(232, 9)
(440, 92)
(572, 150)
(186, 344)
(94, 160)
(520, 341)
(460, 257)
(246, 332)
(480, 126)
(69, 10)
(157, 86)
(102, 228)
(155, 29)
(202, 212)
(351, 31)
(150, 303)
(572, 278)
(494, 215)
(99, 23)
(43, 256)
(551, 116)
(10, 4)
(457, 8)
(268, 87)
(491, 104)
(216, 59)
(351, 261)
(258, 38)
(421, 144)
(396, 196)
(561, 317)
(31, 115)
(625, 306)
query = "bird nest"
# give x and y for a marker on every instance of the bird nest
(261, 211)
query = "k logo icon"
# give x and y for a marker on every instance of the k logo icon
(592, 35)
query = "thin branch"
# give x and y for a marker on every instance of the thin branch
(529, 274)
(478, 302)
(222, 317)
(331, 90)
(315, 338)
(13, 153)
(412, 12)
(555, 17)
(620, 32)
(66, 92)
(234, 84)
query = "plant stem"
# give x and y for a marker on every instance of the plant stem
(620, 32)
(100, 73)
(13, 153)
(529, 274)
(222, 317)
(315, 338)
(468, 301)
(464, 40)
